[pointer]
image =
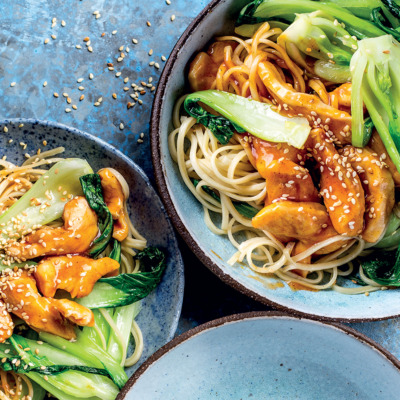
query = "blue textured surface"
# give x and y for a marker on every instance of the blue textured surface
(160, 312)
(24, 59)
(277, 363)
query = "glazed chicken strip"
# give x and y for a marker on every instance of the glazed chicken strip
(336, 122)
(378, 147)
(77, 275)
(115, 199)
(307, 222)
(6, 323)
(286, 180)
(77, 234)
(379, 190)
(341, 96)
(340, 185)
(21, 297)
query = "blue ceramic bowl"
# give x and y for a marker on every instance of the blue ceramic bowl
(267, 356)
(187, 214)
(160, 313)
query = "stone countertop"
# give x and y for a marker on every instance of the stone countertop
(43, 51)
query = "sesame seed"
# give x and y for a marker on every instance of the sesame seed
(55, 94)
(118, 74)
(90, 49)
(82, 97)
(134, 41)
(54, 37)
(5, 129)
(98, 16)
(150, 52)
(126, 80)
(79, 80)
(12, 84)
(91, 76)
(65, 94)
(119, 59)
(168, 2)
(163, 58)
(74, 107)
(121, 126)
(113, 32)
(114, 95)
(67, 110)
(81, 88)
(96, 104)
(44, 83)
(47, 40)
(148, 23)
(172, 17)
(86, 39)
(157, 65)
(78, 46)
(111, 68)
(63, 23)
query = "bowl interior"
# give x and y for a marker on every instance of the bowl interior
(275, 357)
(160, 312)
(187, 213)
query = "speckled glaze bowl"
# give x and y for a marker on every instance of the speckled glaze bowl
(267, 356)
(160, 312)
(187, 214)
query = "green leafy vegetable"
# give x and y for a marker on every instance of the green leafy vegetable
(375, 70)
(72, 383)
(381, 21)
(383, 267)
(245, 209)
(126, 289)
(393, 7)
(28, 210)
(92, 189)
(245, 115)
(116, 251)
(321, 38)
(263, 10)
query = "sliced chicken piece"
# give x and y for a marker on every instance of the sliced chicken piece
(286, 180)
(6, 323)
(262, 153)
(115, 200)
(378, 147)
(340, 186)
(77, 234)
(77, 275)
(378, 187)
(341, 96)
(308, 105)
(202, 72)
(74, 312)
(21, 297)
(217, 50)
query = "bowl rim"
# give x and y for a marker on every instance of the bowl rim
(249, 316)
(131, 164)
(161, 183)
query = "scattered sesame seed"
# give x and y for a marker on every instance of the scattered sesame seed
(20, 125)
(12, 84)
(79, 80)
(90, 49)
(103, 34)
(121, 126)
(118, 74)
(96, 104)
(134, 41)
(54, 37)
(67, 110)
(69, 100)
(111, 68)
(98, 16)
(5, 129)
(114, 95)
(65, 94)
(157, 65)
(86, 39)
(148, 23)
(47, 40)
(163, 58)
(82, 97)
(74, 107)
(172, 17)
(44, 83)
(114, 32)
(126, 89)
(150, 52)
(78, 46)
(168, 2)
(140, 140)
(81, 88)
(91, 76)
(151, 63)
(126, 80)
(63, 23)
(55, 94)
(119, 59)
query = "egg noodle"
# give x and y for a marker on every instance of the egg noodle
(227, 170)
(15, 181)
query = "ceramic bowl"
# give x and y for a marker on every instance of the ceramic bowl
(159, 316)
(267, 356)
(187, 214)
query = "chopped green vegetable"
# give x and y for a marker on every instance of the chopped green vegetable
(126, 289)
(244, 115)
(27, 210)
(116, 251)
(70, 383)
(92, 189)
(375, 70)
(381, 21)
(263, 10)
(245, 209)
(383, 267)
